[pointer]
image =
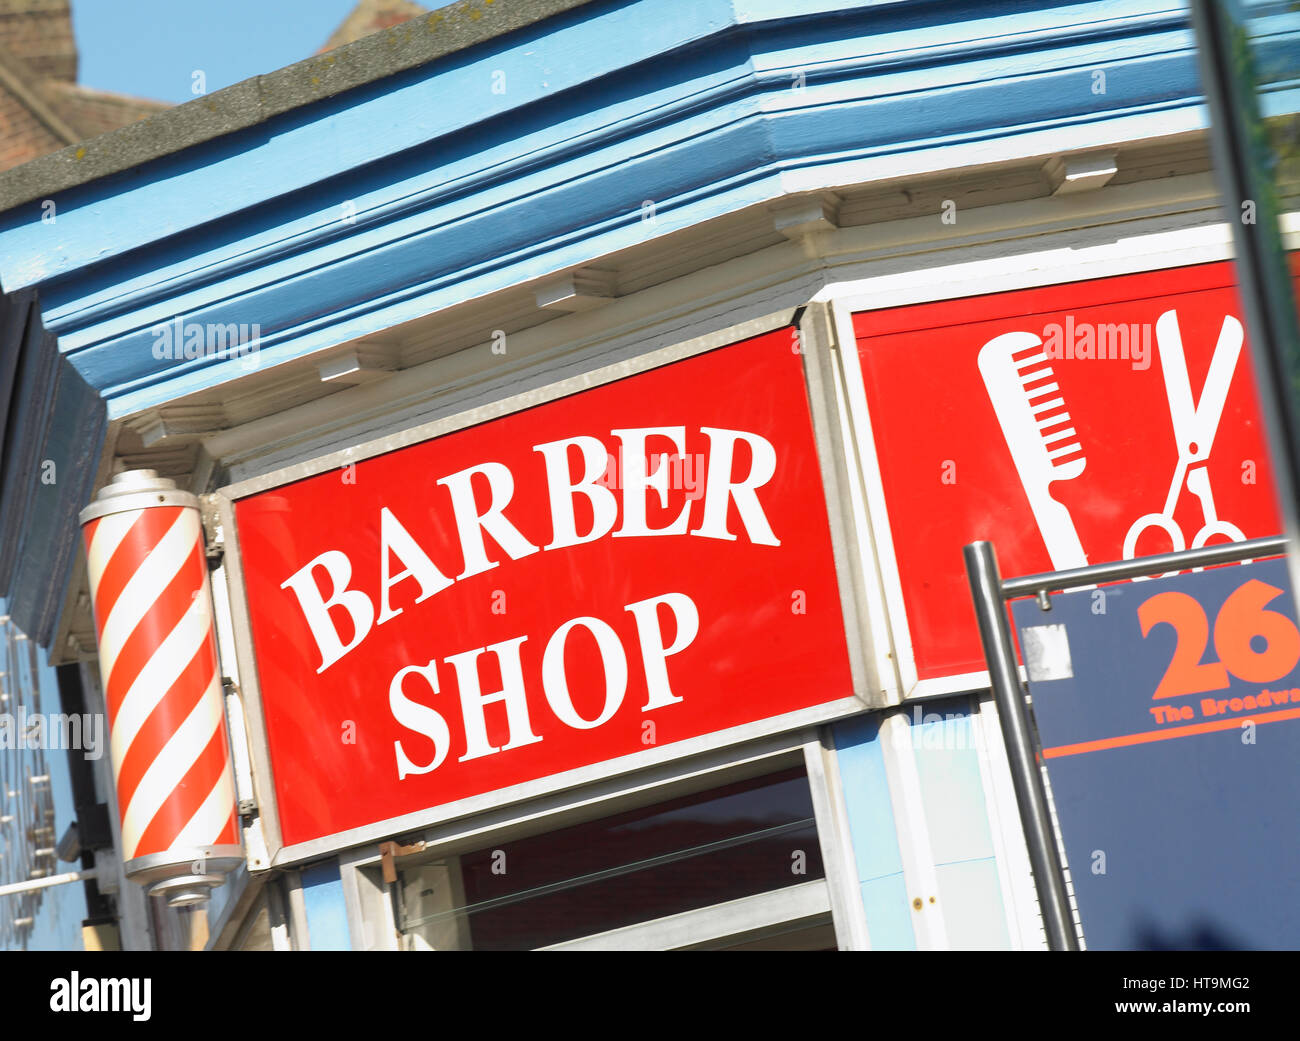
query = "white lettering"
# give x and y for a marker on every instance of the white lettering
(124, 994)
(393, 538)
(473, 700)
(471, 524)
(654, 654)
(317, 610)
(562, 491)
(420, 718)
(726, 498)
(636, 481)
(556, 683)
(720, 489)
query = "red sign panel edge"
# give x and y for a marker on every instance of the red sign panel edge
(868, 691)
(947, 284)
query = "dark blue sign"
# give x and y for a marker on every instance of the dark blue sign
(1169, 716)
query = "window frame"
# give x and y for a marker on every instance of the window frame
(371, 920)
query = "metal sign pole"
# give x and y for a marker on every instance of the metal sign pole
(1239, 146)
(990, 595)
(1031, 796)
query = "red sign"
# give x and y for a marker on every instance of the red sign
(628, 567)
(1068, 425)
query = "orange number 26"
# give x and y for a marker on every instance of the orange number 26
(1241, 619)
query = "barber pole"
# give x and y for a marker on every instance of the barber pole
(162, 686)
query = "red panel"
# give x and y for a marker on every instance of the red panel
(948, 471)
(770, 633)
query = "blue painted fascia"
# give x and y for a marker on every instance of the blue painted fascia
(324, 908)
(873, 833)
(690, 105)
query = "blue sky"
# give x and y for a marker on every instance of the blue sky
(151, 48)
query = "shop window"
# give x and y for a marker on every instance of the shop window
(816, 934)
(752, 837)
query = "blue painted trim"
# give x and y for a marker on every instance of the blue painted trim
(327, 916)
(679, 102)
(873, 832)
(957, 819)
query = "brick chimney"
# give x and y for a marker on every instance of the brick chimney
(370, 16)
(42, 106)
(39, 32)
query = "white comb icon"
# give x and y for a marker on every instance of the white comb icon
(1038, 431)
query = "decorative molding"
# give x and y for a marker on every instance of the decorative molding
(800, 217)
(359, 364)
(174, 421)
(581, 290)
(1080, 173)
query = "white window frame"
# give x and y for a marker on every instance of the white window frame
(369, 905)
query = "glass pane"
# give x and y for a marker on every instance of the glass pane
(817, 935)
(750, 837)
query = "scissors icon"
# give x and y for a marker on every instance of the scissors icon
(1194, 430)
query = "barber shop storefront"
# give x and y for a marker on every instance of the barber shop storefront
(628, 574)
(537, 522)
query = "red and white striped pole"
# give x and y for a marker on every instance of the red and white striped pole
(162, 686)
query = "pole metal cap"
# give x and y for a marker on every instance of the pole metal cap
(136, 490)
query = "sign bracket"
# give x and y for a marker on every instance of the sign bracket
(390, 851)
